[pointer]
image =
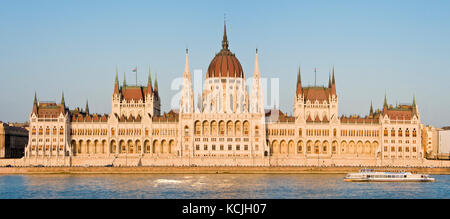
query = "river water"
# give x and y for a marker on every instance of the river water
(212, 186)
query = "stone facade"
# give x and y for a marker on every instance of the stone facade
(229, 128)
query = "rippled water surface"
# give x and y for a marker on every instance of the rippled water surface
(159, 186)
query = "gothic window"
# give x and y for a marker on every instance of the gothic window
(186, 130)
(414, 133)
(246, 127)
(198, 129)
(407, 133)
(393, 132)
(400, 133)
(385, 132)
(222, 127)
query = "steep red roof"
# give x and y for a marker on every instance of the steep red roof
(134, 93)
(316, 93)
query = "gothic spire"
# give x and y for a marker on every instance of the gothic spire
(299, 82)
(414, 101)
(117, 77)
(385, 101)
(333, 84)
(371, 109)
(329, 79)
(62, 99)
(149, 83)
(186, 64)
(156, 83)
(116, 83)
(87, 107)
(256, 73)
(35, 104)
(124, 81)
(35, 98)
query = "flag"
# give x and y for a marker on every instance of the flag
(135, 69)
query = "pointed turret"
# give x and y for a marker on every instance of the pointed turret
(414, 101)
(299, 82)
(333, 84)
(35, 104)
(62, 99)
(385, 105)
(87, 107)
(329, 79)
(149, 83)
(155, 88)
(256, 102)
(124, 81)
(187, 73)
(116, 83)
(256, 73)
(371, 109)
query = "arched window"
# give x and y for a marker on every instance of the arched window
(414, 133)
(186, 130)
(61, 131)
(222, 128)
(198, 129)
(400, 133)
(392, 132)
(407, 132)
(385, 132)
(246, 128)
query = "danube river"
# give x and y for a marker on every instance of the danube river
(221, 186)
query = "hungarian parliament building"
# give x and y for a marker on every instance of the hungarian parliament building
(229, 127)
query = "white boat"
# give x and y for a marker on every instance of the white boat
(369, 175)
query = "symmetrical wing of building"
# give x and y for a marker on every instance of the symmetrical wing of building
(229, 127)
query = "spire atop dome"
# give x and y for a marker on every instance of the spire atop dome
(371, 109)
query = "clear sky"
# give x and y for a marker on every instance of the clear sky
(400, 48)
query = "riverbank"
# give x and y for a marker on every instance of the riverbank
(204, 170)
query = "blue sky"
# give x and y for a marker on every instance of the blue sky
(400, 48)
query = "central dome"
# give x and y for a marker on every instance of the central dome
(225, 63)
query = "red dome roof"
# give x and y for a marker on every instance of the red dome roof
(225, 63)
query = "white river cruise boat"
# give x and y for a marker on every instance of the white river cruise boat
(369, 175)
